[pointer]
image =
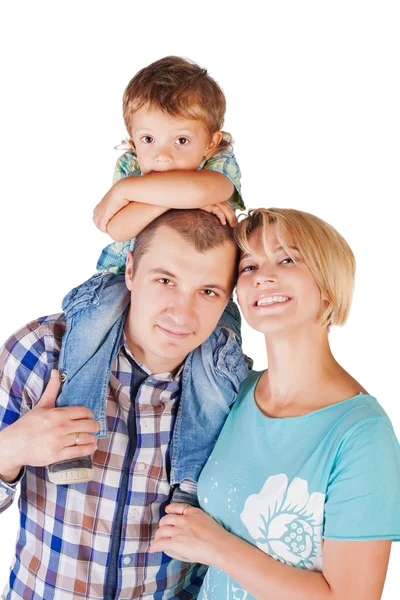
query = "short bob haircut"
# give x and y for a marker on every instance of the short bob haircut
(325, 253)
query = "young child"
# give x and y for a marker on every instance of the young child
(178, 157)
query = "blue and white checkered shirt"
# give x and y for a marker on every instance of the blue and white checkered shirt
(87, 540)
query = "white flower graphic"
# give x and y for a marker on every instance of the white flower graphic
(286, 522)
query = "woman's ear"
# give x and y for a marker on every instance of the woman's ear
(213, 145)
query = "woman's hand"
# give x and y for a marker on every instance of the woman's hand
(223, 211)
(190, 534)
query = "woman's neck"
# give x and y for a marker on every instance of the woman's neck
(302, 374)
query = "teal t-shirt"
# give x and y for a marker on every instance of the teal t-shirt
(284, 484)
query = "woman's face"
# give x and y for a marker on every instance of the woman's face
(276, 295)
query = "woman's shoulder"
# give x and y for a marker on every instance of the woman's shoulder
(249, 384)
(361, 409)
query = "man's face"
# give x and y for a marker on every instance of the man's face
(166, 143)
(177, 297)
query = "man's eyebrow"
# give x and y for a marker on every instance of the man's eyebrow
(209, 286)
(161, 271)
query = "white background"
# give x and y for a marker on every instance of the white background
(313, 105)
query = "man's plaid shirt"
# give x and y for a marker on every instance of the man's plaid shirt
(67, 534)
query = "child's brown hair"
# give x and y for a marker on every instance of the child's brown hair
(179, 88)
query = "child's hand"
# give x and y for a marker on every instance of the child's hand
(223, 211)
(112, 203)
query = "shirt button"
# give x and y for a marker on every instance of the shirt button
(127, 560)
(141, 467)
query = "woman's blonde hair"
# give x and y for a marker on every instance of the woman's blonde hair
(325, 253)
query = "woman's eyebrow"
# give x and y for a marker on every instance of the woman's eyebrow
(278, 248)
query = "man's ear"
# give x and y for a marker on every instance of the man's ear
(129, 270)
(213, 145)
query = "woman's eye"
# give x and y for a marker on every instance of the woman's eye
(286, 261)
(182, 141)
(248, 268)
(147, 139)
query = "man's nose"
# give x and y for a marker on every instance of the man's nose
(181, 310)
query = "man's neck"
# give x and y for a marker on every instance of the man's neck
(150, 361)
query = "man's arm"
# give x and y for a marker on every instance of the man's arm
(172, 189)
(46, 434)
(32, 431)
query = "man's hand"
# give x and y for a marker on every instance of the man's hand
(223, 211)
(47, 434)
(112, 203)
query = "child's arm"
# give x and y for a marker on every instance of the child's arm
(171, 189)
(132, 219)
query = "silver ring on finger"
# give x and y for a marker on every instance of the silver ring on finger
(185, 507)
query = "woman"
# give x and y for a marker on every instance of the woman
(304, 481)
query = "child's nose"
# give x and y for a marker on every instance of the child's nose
(163, 155)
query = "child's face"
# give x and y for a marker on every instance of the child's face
(166, 143)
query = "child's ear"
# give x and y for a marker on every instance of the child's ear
(213, 145)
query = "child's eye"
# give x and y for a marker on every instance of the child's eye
(182, 141)
(147, 139)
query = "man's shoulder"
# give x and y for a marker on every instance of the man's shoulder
(35, 337)
(26, 360)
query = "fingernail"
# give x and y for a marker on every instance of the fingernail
(54, 373)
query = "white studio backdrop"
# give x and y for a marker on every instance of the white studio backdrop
(313, 105)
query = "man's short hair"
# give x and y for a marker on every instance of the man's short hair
(201, 229)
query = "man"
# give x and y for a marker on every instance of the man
(91, 540)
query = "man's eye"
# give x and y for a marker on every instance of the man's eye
(165, 281)
(147, 139)
(209, 293)
(182, 141)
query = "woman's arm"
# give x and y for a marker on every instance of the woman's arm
(351, 570)
(171, 189)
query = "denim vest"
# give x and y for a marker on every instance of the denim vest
(95, 314)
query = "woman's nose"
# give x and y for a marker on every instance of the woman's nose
(265, 275)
